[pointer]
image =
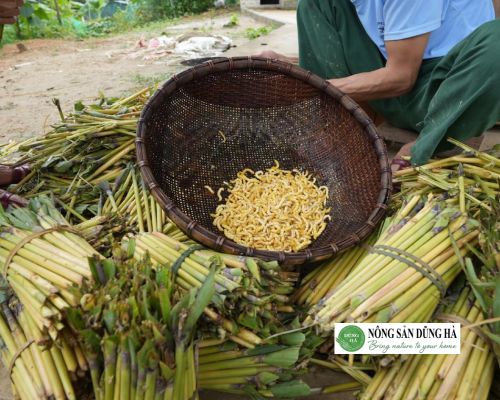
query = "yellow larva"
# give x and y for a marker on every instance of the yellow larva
(275, 209)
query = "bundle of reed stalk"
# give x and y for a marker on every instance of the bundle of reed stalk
(137, 331)
(325, 278)
(44, 260)
(38, 368)
(129, 201)
(268, 370)
(89, 147)
(416, 257)
(87, 164)
(443, 376)
(484, 276)
(472, 176)
(250, 293)
(129, 208)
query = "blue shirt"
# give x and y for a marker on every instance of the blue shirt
(449, 21)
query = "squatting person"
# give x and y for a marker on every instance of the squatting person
(429, 66)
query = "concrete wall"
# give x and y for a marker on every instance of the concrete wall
(286, 4)
(249, 3)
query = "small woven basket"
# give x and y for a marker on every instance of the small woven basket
(210, 122)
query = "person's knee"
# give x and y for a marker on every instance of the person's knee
(488, 37)
(487, 49)
(490, 28)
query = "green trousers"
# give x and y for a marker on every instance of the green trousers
(457, 95)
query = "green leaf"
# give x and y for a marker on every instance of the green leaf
(4, 220)
(166, 372)
(293, 339)
(165, 304)
(310, 345)
(79, 106)
(254, 269)
(264, 349)
(144, 352)
(75, 319)
(97, 270)
(109, 268)
(283, 358)
(285, 376)
(202, 300)
(132, 301)
(479, 291)
(252, 393)
(249, 320)
(91, 340)
(183, 304)
(295, 324)
(130, 248)
(63, 166)
(267, 377)
(109, 318)
(49, 161)
(291, 389)
(41, 13)
(496, 303)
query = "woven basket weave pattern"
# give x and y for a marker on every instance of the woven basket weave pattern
(204, 131)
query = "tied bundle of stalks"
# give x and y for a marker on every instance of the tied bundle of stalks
(485, 280)
(130, 202)
(472, 176)
(89, 147)
(268, 370)
(45, 262)
(443, 376)
(38, 368)
(129, 208)
(416, 257)
(137, 331)
(329, 275)
(250, 293)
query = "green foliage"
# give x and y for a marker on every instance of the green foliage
(151, 10)
(91, 18)
(233, 21)
(254, 33)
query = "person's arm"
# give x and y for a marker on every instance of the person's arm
(9, 10)
(496, 4)
(404, 58)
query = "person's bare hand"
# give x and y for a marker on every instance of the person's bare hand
(276, 56)
(9, 10)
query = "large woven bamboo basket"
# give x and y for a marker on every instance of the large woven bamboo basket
(209, 122)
